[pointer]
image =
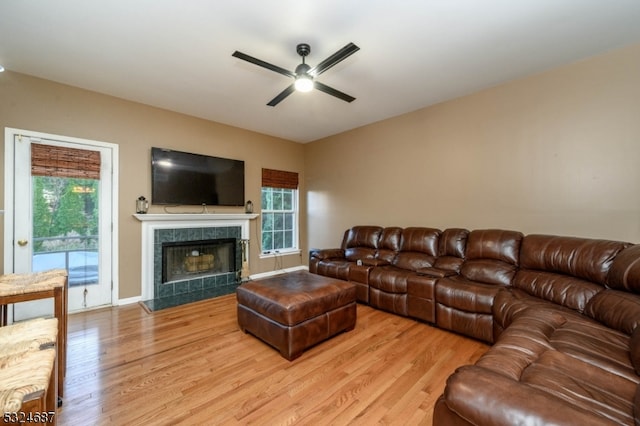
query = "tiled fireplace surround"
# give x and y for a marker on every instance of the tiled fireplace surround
(159, 228)
(173, 289)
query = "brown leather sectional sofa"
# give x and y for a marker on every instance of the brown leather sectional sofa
(562, 314)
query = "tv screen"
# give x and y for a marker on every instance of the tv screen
(182, 178)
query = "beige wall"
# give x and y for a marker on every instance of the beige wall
(553, 153)
(38, 105)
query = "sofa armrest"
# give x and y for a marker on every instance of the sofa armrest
(435, 272)
(324, 254)
(484, 397)
(374, 262)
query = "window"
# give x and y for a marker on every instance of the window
(279, 211)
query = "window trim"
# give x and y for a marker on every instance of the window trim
(296, 228)
(279, 253)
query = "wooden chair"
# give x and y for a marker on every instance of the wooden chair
(15, 288)
(28, 372)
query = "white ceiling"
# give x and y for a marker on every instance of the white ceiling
(176, 54)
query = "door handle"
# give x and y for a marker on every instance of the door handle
(22, 243)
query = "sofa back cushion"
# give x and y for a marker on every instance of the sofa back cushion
(494, 244)
(361, 242)
(584, 258)
(625, 270)
(418, 248)
(619, 310)
(491, 256)
(389, 244)
(568, 271)
(453, 242)
(451, 249)
(565, 290)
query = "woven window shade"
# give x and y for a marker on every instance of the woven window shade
(58, 161)
(279, 179)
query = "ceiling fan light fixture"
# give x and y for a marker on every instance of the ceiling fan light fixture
(304, 83)
(304, 76)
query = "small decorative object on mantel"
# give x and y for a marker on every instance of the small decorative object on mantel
(248, 208)
(142, 205)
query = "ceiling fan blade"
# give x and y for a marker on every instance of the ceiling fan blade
(333, 92)
(340, 55)
(286, 92)
(263, 64)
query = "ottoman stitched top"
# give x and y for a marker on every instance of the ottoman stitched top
(290, 299)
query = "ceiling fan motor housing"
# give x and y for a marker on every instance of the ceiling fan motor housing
(302, 69)
(303, 50)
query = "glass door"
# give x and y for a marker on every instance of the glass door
(62, 219)
(66, 231)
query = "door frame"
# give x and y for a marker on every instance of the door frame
(9, 187)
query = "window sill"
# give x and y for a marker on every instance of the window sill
(278, 253)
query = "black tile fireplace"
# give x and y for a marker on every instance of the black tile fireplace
(187, 260)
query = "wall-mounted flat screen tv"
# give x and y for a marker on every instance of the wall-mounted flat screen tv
(182, 178)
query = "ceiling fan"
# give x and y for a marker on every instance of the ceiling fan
(304, 75)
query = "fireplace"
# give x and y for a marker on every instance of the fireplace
(197, 280)
(186, 260)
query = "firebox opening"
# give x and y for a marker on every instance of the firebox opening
(185, 260)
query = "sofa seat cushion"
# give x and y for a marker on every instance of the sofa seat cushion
(510, 302)
(488, 271)
(478, 396)
(574, 360)
(575, 335)
(413, 261)
(597, 346)
(390, 279)
(469, 296)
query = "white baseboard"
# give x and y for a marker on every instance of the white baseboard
(278, 272)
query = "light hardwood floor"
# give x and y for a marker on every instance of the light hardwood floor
(191, 365)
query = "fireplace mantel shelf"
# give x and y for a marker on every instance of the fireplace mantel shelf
(193, 216)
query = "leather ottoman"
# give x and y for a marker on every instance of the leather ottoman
(295, 311)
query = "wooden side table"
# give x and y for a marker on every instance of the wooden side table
(15, 288)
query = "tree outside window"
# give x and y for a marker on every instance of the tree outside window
(64, 208)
